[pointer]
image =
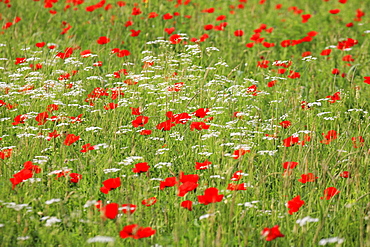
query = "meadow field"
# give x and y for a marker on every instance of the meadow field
(184, 123)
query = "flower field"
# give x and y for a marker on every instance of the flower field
(184, 123)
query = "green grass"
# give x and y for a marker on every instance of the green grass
(217, 79)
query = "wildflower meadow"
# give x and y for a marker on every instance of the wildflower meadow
(184, 123)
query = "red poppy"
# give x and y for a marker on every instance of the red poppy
(294, 204)
(167, 16)
(136, 11)
(103, 40)
(141, 167)
(306, 54)
(152, 15)
(358, 141)
(334, 11)
(110, 184)
(199, 126)
(242, 186)
(110, 106)
(181, 118)
(186, 187)
(29, 166)
(140, 121)
(20, 176)
(272, 233)
(149, 202)
(201, 112)
(52, 107)
(329, 193)
(135, 33)
(285, 124)
(367, 79)
(5, 153)
(325, 52)
(40, 45)
(175, 39)
(290, 141)
(70, 139)
(187, 204)
(136, 232)
(75, 177)
(20, 60)
(345, 174)
(290, 165)
(168, 182)
(305, 18)
(237, 176)
(87, 147)
(294, 75)
(42, 117)
(169, 31)
(202, 166)
(330, 136)
(208, 27)
(210, 196)
(166, 125)
(239, 153)
(128, 208)
(305, 178)
(110, 210)
(188, 178)
(145, 132)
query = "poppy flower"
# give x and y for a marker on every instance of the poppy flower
(70, 139)
(75, 177)
(110, 210)
(305, 178)
(290, 141)
(167, 16)
(166, 125)
(110, 184)
(272, 233)
(237, 175)
(128, 208)
(202, 166)
(20, 176)
(367, 79)
(210, 196)
(149, 202)
(345, 174)
(285, 124)
(175, 39)
(87, 147)
(201, 112)
(5, 153)
(239, 153)
(325, 52)
(136, 232)
(111, 106)
(199, 126)
(20, 60)
(40, 45)
(28, 165)
(135, 33)
(42, 117)
(145, 132)
(152, 15)
(168, 182)
(169, 31)
(103, 40)
(290, 165)
(52, 107)
(187, 204)
(334, 11)
(329, 193)
(188, 178)
(136, 11)
(232, 186)
(186, 187)
(141, 167)
(208, 27)
(358, 141)
(181, 118)
(330, 136)
(140, 121)
(294, 204)
(238, 33)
